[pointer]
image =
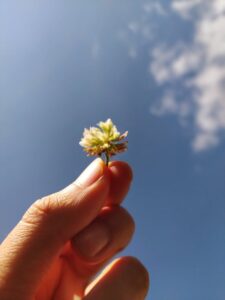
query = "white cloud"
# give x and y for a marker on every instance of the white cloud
(169, 105)
(154, 7)
(210, 33)
(141, 29)
(173, 63)
(133, 26)
(188, 8)
(185, 7)
(203, 141)
(166, 105)
(200, 64)
(138, 33)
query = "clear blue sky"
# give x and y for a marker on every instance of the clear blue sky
(157, 68)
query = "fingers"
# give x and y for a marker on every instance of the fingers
(103, 238)
(125, 278)
(28, 251)
(30, 248)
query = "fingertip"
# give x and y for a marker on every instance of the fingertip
(124, 278)
(122, 169)
(121, 176)
(133, 265)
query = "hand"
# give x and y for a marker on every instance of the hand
(64, 239)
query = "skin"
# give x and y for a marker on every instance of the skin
(64, 239)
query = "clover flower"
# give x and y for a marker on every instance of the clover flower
(105, 139)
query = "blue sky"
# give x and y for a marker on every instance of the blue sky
(157, 68)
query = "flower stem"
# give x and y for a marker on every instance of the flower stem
(106, 158)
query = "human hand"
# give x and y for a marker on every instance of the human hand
(64, 239)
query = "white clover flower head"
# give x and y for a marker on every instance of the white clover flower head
(105, 139)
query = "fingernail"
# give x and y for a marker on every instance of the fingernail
(92, 240)
(92, 173)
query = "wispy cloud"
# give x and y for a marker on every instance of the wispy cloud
(185, 7)
(141, 31)
(169, 105)
(191, 71)
(154, 7)
(134, 27)
(174, 62)
(199, 67)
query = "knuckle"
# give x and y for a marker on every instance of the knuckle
(42, 206)
(35, 213)
(42, 209)
(53, 205)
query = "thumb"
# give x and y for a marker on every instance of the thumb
(49, 223)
